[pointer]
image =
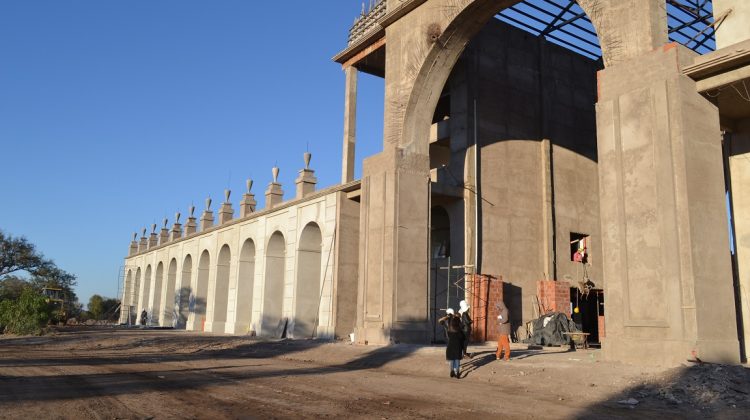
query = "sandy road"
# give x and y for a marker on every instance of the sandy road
(106, 374)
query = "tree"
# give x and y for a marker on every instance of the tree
(28, 314)
(52, 276)
(18, 254)
(11, 287)
(96, 306)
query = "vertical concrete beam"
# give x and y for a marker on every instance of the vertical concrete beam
(350, 125)
(739, 168)
(667, 271)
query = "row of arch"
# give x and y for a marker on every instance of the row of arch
(183, 301)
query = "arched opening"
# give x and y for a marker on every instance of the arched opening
(145, 298)
(198, 297)
(135, 297)
(245, 286)
(221, 290)
(307, 291)
(127, 298)
(443, 293)
(273, 296)
(182, 299)
(156, 303)
(170, 303)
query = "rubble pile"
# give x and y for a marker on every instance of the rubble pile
(703, 386)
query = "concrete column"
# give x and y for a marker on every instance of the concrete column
(247, 206)
(739, 168)
(394, 255)
(191, 226)
(133, 245)
(667, 269)
(226, 213)
(274, 193)
(153, 239)
(143, 244)
(350, 125)
(176, 232)
(306, 180)
(207, 218)
(164, 233)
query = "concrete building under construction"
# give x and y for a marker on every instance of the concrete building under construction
(560, 152)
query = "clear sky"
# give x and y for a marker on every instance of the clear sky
(115, 114)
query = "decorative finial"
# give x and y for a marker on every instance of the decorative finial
(153, 228)
(275, 172)
(192, 210)
(135, 236)
(227, 193)
(144, 231)
(363, 8)
(177, 217)
(208, 203)
(249, 184)
(165, 222)
(308, 156)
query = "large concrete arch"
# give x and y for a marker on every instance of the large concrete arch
(307, 287)
(127, 298)
(156, 303)
(182, 299)
(170, 302)
(653, 132)
(245, 287)
(217, 304)
(274, 279)
(198, 297)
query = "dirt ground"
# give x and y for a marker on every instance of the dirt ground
(109, 373)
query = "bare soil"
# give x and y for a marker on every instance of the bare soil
(109, 373)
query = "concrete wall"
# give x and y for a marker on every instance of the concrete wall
(287, 219)
(346, 265)
(526, 90)
(736, 26)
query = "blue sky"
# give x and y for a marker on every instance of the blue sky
(115, 114)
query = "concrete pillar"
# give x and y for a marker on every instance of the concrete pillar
(739, 169)
(247, 206)
(394, 255)
(274, 193)
(207, 218)
(667, 270)
(176, 232)
(734, 16)
(133, 245)
(226, 213)
(164, 233)
(306, 180)
(350, 125)
(153, 239)
(143, 244)
(191, 226)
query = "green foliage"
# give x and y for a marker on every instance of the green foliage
(11, 287)
(27, 315)
(96, 306)
(18, 254)
(103, 308)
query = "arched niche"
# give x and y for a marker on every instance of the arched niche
(199, 295)
(245, 286)
(156, 300)
(273, 296)
(307, 287)
(221, 290)
(170, 304)
(182, 297)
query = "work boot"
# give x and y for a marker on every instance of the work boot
(453, 373)
(458, 374)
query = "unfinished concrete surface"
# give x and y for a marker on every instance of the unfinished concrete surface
(503, 154)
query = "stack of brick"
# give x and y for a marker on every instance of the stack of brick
(485, 290)
(554, 296)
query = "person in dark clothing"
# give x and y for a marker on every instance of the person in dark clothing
(454, 350)
(465, 326)
(144, 315)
